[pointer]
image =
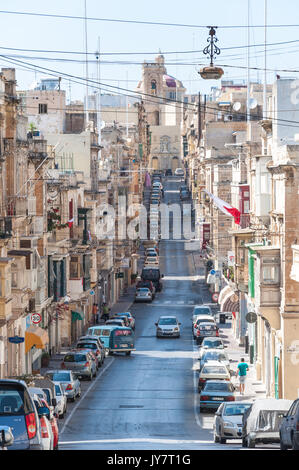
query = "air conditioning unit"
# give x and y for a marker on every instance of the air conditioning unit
(28, 242)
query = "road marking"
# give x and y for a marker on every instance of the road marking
(137, 439)
(84, 395)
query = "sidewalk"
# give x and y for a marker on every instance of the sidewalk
(253, 388)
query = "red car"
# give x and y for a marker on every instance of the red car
(54, 426)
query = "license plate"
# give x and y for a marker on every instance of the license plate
(207, 333)
(124, 345)
(217, 398)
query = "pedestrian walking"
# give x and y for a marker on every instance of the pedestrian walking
(105, 314)
(242, 372)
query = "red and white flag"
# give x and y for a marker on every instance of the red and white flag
(70, 222)
(225, 207)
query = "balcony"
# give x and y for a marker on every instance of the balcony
(37, 149)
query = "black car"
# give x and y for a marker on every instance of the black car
(168, 172)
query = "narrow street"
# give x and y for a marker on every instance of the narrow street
(149, 400)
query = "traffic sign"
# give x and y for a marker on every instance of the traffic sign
(215, 297)
(251, 317)
(36, 318)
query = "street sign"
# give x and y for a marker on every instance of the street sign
(92, 292)
(215, 297)
(251, 317)
(16, 339)
(36, 318)
(213, 272)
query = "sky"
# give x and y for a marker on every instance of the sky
(62, 34)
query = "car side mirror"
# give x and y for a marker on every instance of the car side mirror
(43, 411)
(6, 436)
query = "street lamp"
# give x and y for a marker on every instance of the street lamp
(211, 72)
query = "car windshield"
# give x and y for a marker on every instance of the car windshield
(144, 289)
(204, 320)
(11, 401)
(218, 387)
(235, 410)
(214, 370)
(212, 344)
(214, 356)
(167, 321)
(85, 346)
(75, 357)
(200, 310)
(95, 331)
(60, 376)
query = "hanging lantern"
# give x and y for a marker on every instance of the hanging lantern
(211, 72)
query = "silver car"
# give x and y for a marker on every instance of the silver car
(143, 294)
(69, 382)
(61, 400)
(168, 326)
(228, 421)
(81, 363)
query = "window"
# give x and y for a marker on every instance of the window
(75, 267)
(270, 273)
(42, 108)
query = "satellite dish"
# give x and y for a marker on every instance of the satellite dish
(252, 103)
(237, 106)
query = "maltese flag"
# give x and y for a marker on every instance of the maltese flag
(225, 207)
(70, 222)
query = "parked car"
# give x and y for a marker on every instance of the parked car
(289, 428)
(168, 326)
(151, 260)
(122, 317)
(179, 172)
(104, 333)
(228, 421)
(202, 310)
(54, 426)
(202, 319)
(151, 252)
(45, 424)
(147, 284)
(18, 412)
(212, 370)
(69, 382)
(215, 392)
(211, 343)
(130, 317)
(205, 329)
(261, 422)
(143, 294)
(214, 355)
(168, 172)
(61, 400)
(80, 363)
(115, 322)
(95, 345)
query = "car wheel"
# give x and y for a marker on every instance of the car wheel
(222, 440)
(128, 353)
(95, 373)
(244, 442)
(61, 416)
(73, 399)
(90, 377)
(79, 393)
(216, 438)
(295, 444)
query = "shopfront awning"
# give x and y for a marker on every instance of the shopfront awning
(230, 302)
(223, 293)
(76, 316)
(35, 336)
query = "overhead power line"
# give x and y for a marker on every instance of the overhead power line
(155, 23)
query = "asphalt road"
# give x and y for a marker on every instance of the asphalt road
(149, 400)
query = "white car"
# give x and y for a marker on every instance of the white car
(168, 326)
(157, 184)
(179, 172)
(151, 260)
(47, 437)
(61, 400)
(213, 370)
